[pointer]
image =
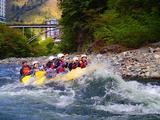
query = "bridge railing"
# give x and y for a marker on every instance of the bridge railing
(32, 25)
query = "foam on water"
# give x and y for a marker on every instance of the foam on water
(144, 99)
(101, 90)
(46, 95)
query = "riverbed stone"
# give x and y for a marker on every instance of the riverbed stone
(155, 75)
(144, 62)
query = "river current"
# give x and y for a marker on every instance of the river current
(100, 95)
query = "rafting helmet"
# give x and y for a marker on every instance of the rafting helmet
(52, 58)
(35, 62)
(75, 58)
(83, 56)
(23, 62)
(60, 55)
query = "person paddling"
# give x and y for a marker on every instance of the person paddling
(51, 63)
(50, 66)
(83, 62)
(74, 63)
(37, 67)
(60, 64)
(26, 69)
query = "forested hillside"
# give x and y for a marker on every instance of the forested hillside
(14, 44)
(130, 23)
(31, 11)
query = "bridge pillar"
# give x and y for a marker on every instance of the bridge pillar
(31, 32)
(23, 31)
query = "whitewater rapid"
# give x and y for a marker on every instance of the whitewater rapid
(99, 95)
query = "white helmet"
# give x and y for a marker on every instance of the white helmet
(52, 58)
(35, 62)
(83, 55)
(60, 55)
(75, 58)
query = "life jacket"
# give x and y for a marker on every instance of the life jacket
(25, 70)
(49, 64)
(83, 64)
(60, 68)
(73, 66)
(52, 66)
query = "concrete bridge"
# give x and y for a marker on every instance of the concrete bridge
(32, 25)
(45, 27)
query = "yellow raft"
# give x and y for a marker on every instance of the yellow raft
(40, 78)
(74, 74)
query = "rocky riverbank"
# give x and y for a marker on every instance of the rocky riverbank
(139, 63)
(14, 60)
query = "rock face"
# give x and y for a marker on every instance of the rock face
(143, 63)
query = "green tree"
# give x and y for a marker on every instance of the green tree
(131, 23)
(13, 44)
(77, 17)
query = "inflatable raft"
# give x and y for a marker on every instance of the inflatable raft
(40, 79)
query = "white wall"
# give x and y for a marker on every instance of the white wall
(2, 9)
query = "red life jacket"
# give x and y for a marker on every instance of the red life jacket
(26, 70)
(83, 64)
(74, 65)
(60, 68)
(52, 66)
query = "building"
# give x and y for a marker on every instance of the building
(52, 32)
(2, 10)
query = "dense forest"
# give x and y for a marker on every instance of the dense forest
(14, 44)
(129, 23)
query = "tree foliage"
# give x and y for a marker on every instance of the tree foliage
(77, 18)
(13, 44)
(131, 23)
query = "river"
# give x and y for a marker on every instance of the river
(97, 96)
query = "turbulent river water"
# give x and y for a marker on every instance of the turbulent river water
(97, 96)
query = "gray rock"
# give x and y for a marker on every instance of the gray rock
(154, 74)
(157, 56)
